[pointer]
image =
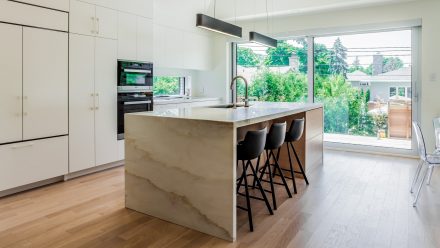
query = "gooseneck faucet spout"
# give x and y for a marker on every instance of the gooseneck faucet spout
(246, 99)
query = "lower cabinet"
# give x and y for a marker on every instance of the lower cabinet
(32, 161)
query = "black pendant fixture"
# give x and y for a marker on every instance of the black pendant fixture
(264, 40)
(219, 26)
(261, 39)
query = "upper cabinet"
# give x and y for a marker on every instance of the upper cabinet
(139, 7)
(89, 19)
(62, 5)
(135, 37)
(30, 15)
(10, 83)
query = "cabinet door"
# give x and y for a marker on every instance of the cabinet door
(106, 23)
(127, 36)
(144, 39)
(106, 101)
(29, 162)
(82, 18)
(10, 83)
(45, 83)
(81, 102)
(53, 4)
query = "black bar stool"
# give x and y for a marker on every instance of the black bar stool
(294, 134)
(251, 148)
(274, 140)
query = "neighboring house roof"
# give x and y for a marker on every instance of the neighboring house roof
(400, 75)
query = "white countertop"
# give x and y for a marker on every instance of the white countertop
(257, 112)
(178, 100)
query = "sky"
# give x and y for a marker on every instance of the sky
(392, 43)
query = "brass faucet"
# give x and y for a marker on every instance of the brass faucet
(246, 99)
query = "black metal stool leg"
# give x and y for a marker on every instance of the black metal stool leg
(292, 173)
(243, 174)
(260, 187)
(277, 167)
(257, 168)
(300, 165)
(272, 188)
(248, 199)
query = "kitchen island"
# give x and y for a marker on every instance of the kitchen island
(180, 163)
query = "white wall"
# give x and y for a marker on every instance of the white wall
(426, 10)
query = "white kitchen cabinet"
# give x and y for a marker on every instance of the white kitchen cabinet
(82, 18)
(144, 39)
(10, 83)
(81, 102)
(113, 4)
(135, 37)
(106, 23)
(53, 4)
(106, 101)
(93, 102)
(139, 7)
(168, 52)
(29, 15)
(89, 19)
(127, 36)
(45, 83)
(197, 50)
(32, 161)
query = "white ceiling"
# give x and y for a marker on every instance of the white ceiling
(254, 9)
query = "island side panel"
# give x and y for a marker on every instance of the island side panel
(314, 139)
(182, 171)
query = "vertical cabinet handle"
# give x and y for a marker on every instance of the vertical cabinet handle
(96, 101)
(93, 25)
(97, 23)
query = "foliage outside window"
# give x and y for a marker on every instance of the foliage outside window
(346, 107)
(166, 85)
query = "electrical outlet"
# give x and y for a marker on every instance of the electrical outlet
(433, 77)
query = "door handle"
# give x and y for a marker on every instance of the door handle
(93, 25)
(97, 23)
(22, 145)
(97, 101)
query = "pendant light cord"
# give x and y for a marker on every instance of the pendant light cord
(215, 4)
(267, 18)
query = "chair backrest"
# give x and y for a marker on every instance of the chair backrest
(420, 141)
(275, 137)
(296, 129)
(252, 145)
(436, 123)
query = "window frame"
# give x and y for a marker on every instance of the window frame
(182, 85)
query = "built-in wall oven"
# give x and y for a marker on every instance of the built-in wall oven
(135, 90)
(135, 76)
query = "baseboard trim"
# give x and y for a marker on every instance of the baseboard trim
(93, 170)
(345, 149)
(69, 176)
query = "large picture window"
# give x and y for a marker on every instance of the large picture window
(363, 80)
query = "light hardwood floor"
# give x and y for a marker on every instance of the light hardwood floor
(354, 200)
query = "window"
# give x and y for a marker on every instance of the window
(168, 85)
(400, 91)
(363, 80)
(274, 74)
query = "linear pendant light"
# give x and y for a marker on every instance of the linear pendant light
(216, 25)
(261, 39)
(219, 26)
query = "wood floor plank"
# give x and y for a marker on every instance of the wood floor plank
(353, 200)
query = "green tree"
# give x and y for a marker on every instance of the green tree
(322, 60)
(338, 63)
(280, 55)
(247, 57)
(392, 64)
(166, 85)
(356, 66)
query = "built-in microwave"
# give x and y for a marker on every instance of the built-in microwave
(134, 76)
